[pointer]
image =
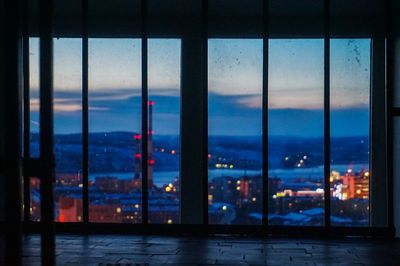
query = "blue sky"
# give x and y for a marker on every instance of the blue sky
(235, 83)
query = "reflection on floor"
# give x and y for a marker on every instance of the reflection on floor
(156, 250)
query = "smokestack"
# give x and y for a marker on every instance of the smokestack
(138, 156)
(150, 145)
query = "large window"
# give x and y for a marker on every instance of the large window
(235, 131)
(350, 131)
(164, 130)
(68, 128)
(296, 132)
(34, 97)
(115, 175)
(34, 123)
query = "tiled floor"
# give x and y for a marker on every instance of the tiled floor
(149, 250)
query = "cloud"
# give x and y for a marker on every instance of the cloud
(254, 102)
(61, 107)
(36, 123)
(120, 110)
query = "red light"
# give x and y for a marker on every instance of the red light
(62, 218)
(173, 152)
(150, 103)
(138, 155)
(137, 136)
(151, 162)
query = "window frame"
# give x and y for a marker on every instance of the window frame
(378, 99)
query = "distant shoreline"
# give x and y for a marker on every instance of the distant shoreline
(165, 177)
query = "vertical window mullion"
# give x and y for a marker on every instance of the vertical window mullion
(327, 151)
(145, 201)
(390, 115)
(26, 123)
(265, 113)
(47, 157)
(205, 109)
(85, 112)
(378, 187)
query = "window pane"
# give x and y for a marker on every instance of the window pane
(350, 107)
(235, 131)
(164, 130)
(34, 96)
(34, 185)
(296, 131)
(115, 130)
(68, 128)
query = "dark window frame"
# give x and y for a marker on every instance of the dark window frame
(378, 102)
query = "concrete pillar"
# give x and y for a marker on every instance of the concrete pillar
(12, 92)
(193, 137)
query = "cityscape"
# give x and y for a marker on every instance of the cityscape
(235, 187)
(295, 131)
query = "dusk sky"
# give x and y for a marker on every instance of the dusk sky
(235, 84)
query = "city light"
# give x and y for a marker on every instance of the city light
(233, 195)
(349, 170)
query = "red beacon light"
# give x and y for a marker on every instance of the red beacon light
(137, 136)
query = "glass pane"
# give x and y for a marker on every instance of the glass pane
(115, 130)
(34, 184)
(34, 96)
(68, 128)
(350, 108)
(296, 131)
(235, 131)
(164, 63)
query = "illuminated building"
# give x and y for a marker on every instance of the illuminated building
(105, 213)
(350, 185)
(70, 209)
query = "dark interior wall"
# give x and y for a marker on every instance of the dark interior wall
(2, 126)
(395, 46)
(291, 18)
